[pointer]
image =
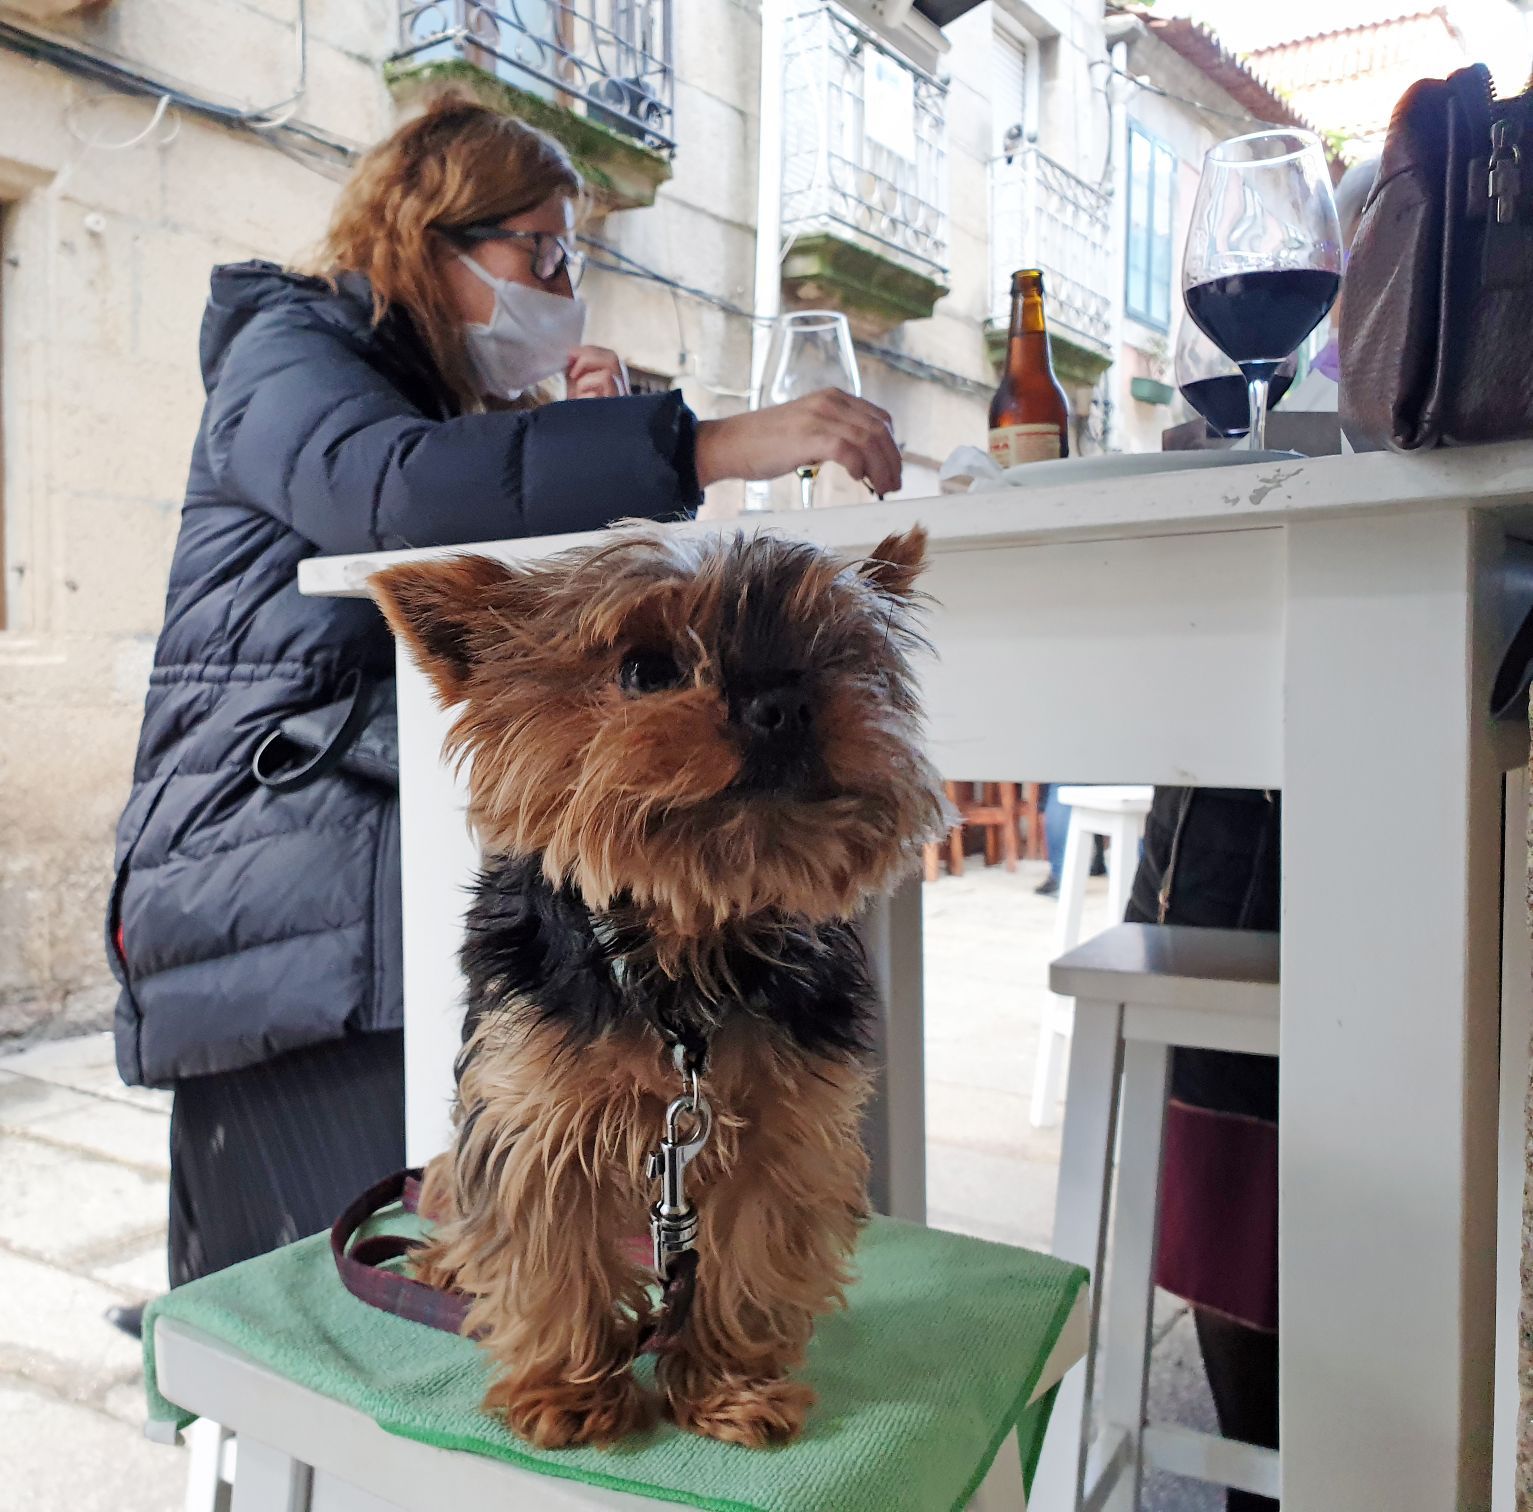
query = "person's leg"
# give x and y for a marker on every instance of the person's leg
(1056, 828)
(266, 1155)
(1242, 1368)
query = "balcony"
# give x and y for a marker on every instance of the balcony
(864, 194)
(1044, 216)
(595, 74)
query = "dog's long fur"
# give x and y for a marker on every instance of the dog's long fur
(691, 762)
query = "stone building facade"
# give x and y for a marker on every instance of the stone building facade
(142, 143)
(103, 273)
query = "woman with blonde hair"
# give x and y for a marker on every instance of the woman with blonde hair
(380, 399)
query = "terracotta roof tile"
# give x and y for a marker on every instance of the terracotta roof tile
(1202, 48)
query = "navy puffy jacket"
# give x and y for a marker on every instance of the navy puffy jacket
(243, 922)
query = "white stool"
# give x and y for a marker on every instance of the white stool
(1140, 990)
(1117, 814)
(211, 1449)
(298, 1451)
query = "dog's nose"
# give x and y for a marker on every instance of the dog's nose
(778, 712)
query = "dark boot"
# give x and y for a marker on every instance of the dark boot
(129, 1319)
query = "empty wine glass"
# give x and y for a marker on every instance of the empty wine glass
(1263, 259)
(1212, 384)
(810, 350)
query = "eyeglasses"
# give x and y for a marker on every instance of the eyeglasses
(551, 255)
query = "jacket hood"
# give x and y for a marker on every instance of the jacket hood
(241, 291)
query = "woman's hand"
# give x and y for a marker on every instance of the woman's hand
(595, 373)
(830, 426)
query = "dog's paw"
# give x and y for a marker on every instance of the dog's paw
(554, 1415)
(752, 1413)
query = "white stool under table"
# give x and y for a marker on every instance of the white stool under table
(1140, 990)
(299, 1451)
(1117, 814)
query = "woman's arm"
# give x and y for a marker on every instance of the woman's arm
(300, 425)
(828, 426)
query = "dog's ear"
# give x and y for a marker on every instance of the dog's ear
(443, 610)
(896, 562)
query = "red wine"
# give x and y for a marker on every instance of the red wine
(1262, 317)
(1225, 401)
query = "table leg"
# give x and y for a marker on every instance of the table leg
(1511, 1161)
(1390, 967)
(894, 1127)
(438, 859)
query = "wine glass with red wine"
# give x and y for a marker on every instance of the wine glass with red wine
(1212, 384)
(1263, 259)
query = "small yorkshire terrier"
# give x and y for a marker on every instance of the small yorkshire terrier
(691, 761)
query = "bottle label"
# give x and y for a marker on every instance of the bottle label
(1011, 445)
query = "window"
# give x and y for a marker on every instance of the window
(1013, 90)
(1151, 183)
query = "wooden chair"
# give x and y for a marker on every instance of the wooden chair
(1010, 816)
(1035, 845)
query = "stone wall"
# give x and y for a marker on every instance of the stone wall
(105, 264)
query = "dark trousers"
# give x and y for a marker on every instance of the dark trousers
(272, 1153)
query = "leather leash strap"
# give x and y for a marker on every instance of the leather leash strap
(362, 1265)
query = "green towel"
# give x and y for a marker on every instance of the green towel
(920, 1379)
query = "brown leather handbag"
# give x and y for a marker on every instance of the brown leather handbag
(1437, 302)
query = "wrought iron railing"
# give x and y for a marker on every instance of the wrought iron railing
(864, 141)
(609, 60)
(1044, 216)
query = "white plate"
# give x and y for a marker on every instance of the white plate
(1124, 465)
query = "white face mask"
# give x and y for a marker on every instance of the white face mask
(529, 336)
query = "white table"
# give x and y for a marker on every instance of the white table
(1327, 627)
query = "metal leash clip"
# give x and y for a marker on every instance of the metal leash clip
(672, 1219)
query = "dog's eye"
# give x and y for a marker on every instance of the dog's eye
(649, 672)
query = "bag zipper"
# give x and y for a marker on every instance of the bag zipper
(1496, 184)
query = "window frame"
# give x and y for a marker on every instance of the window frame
(1162, 157)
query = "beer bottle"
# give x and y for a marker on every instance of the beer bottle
(1029, 416)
